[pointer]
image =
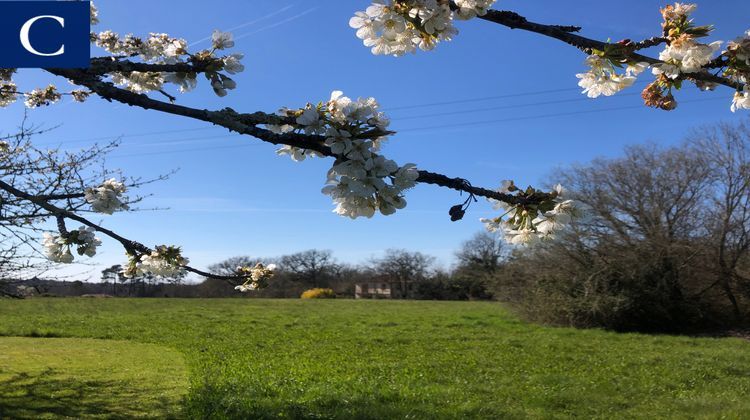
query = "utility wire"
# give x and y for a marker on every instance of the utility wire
(489, 98)
(426, 105)
(495, 108)
(454, 125)
(534, 117)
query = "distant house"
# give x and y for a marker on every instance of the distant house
(372, 290)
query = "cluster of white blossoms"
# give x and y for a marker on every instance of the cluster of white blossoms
(257, 276)
(741, 99)
(402, 26)
(8, 89)
(160, 48)
(361, 181)
(682, 55)
(602, 78)
(57, 247)
(163, 261)
(738, 56)
(108, 197)
(163, 49)
(469, 9)
(529, 224)
(685, 56)
(94, 14)
(42, 97)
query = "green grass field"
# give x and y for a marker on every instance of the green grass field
(349, 359)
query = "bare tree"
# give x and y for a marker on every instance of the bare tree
(478, 261)
(402, 268)
(312, 267)
(483, 250)
(725, 149)
(42, 190)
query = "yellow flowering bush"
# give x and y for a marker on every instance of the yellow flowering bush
(318, 293)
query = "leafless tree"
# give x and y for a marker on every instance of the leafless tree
(725, 150)
(313, 267)
(402, 268)
(43, 189)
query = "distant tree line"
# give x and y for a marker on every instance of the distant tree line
(408, 274)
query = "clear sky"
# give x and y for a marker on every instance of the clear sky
(513, 112)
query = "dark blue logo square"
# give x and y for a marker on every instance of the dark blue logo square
(45, 34)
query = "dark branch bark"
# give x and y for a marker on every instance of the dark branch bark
(106, 65)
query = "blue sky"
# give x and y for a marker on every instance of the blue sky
(514, 112)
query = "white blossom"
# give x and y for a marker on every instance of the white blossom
(8, 94)
(468, 9)
(158, 266)
(56, 249)
(526, 224)
(688, 55)
(164, 261)
(257, 276)
(670, 71)
(108, 197)
(222, 40)
(86, 241)
(139, 82)
(360, 182)
(635, 69)
(232, 63)
(297, 154)
(42, 97)
(602, 79)
(526, 237)
(80, 95)
(245, 287)
(94, 13)
(740, 48)
(400, 27)
(741, 99)
(163, 49)
(678, 11)
(311, 122)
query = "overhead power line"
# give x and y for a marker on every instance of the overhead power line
(535, 117)
(424, 105)
(444, 126)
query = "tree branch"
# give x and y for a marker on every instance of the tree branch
(513, 20)
(131, 246)
(106, 65)
(246, 124)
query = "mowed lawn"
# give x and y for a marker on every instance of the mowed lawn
(247, 358)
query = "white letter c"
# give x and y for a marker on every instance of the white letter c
(25, 35)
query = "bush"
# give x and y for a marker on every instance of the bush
(318, 293)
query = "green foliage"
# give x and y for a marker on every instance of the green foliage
(318, 293)
(253, 358)
(86, 378)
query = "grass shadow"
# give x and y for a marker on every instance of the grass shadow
(50, 394)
